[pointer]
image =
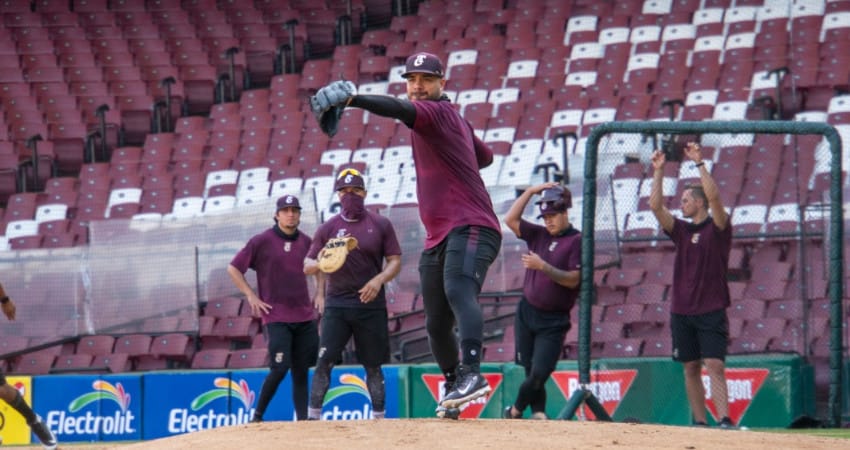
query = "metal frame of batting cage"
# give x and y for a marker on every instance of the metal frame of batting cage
(836, 238)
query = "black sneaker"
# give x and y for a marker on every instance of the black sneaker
(726, 423)
(508, 414)
(48, 440)
(447, 413)
(699, 424)
(468, 387)
(257, 418)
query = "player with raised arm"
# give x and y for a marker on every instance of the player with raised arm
(549, 291)
(700, 294)
(463, 234)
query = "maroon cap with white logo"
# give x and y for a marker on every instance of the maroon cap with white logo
(423, 63)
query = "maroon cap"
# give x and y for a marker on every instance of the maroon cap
(349, 178)
(556, 199)
(423, 63)
(288, 201)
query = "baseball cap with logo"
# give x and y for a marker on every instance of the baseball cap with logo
(556, 199)
(428, 63)
(349, 178)
(288, 201)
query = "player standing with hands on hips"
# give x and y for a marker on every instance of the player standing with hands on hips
(549, 291)
(277, 256)
(698, 320)
(353, 300)
(462, 231)
(13, 397)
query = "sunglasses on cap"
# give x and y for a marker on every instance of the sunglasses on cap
(349, 171)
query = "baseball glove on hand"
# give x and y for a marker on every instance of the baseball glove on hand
(333, 255)
(328, 103)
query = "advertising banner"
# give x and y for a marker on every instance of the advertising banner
(280, 408)
(764, 390)
(348, 396)
(183, 402)
(90, 407)
(427, 388)
(13, 427)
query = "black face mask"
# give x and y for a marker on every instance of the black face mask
(353, 207)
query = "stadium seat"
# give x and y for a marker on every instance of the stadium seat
(223, 307)
(622, 348)
(96, 344)
(35, 363)
(173, 346)
(78, 362)
(248, 358)
(133, 345)
(210, 359)
(112, 363)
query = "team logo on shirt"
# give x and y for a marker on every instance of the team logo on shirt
(695, 238)
(341, 232)
(287, 247)
(553, 245)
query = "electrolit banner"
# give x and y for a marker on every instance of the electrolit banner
(177, 403)
(13, 427)
(348, 397)
(90, 407)
(280, 408)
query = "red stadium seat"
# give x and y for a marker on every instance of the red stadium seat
(79, 362)
(112, 363)
(210, 359)
(96, 344)
(248, 359)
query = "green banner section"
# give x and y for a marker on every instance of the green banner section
(426, 388)
(764, 390)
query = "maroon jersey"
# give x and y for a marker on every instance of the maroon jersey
(450, 190)
(279, 263)
(376, 239)
(562, 252)
(702, 260)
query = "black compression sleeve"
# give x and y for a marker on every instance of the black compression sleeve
(387, 106)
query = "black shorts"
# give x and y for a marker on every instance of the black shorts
(369, 328)
(2, 379)
(466, 251)
(700, 336)
(293, 345)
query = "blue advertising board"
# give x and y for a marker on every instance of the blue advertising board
(280, 408)
(183, 402)
(348, 397)
(90, 407)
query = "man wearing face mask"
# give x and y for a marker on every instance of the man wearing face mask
(352, 299)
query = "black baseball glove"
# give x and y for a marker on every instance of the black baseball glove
(328, 103)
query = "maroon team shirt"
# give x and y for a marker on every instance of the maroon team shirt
(562, 252)
(448, 185)
(376, 239)
(702, 260)
(279, 264)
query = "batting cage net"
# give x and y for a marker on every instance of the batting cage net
(782, 184)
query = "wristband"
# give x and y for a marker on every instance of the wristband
(4, 300)
(699, 164)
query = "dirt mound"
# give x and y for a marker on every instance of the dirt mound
(469, 434)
